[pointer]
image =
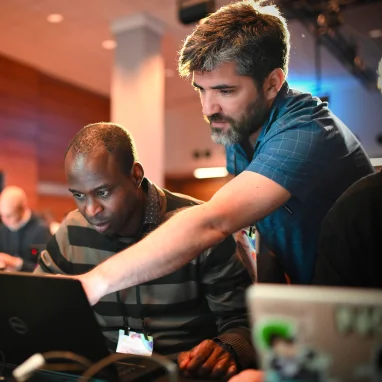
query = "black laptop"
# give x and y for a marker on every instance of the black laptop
(46, 313)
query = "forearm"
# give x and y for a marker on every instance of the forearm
(187, 234)
(165, 250)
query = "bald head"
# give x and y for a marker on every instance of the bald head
(13, 206)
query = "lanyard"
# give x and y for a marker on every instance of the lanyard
(124, 315)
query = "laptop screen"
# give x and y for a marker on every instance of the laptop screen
(311, 334)
(43, 313)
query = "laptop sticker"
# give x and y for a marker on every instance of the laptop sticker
(286, 357)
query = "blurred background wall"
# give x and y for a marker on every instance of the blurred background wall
(58, 63)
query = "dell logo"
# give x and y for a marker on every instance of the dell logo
(18, 325)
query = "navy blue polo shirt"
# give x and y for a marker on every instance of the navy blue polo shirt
(307, 150)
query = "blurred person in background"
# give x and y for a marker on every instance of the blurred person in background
(350, 246)
(20, 230)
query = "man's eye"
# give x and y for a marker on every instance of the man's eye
(103, 193)
(79, 196)
(226, 91)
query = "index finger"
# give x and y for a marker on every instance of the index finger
(204, 351)
(183, 359)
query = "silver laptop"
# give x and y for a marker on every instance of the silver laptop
(317, 334)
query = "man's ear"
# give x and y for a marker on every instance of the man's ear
(273, 84)
(137, 173)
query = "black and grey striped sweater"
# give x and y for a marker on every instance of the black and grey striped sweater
(204, 299)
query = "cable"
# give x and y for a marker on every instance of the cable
(100, 365)
(69, 356)
(37, 361)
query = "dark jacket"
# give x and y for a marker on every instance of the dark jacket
(21, 242)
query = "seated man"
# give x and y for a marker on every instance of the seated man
(200, 306)
(20, 229)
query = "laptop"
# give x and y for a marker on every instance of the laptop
(46, 313)
(317, 334)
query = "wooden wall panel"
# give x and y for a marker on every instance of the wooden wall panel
(64, 109)
(18, 163)
(39, 115)
(58, 206)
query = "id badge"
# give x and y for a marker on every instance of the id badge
(246, 251)
(134, 343)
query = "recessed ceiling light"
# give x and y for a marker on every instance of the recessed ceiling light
(210, 172)
(55, 18)
(109, 44)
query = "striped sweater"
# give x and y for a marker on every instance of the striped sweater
(204, 299)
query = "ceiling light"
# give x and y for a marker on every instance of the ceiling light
(55, 18)
(109, 44)
(210, 172)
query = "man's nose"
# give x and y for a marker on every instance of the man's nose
(210, 105)
(93, 208)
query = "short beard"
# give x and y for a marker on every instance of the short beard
(251, 121)
(225, 138)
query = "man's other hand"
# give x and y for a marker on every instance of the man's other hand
(248, 376)
(10, 263)
(208, 359)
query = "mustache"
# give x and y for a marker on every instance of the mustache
(217, 117)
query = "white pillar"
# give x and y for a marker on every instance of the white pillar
(137, 88)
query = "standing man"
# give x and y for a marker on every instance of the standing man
(20, 229)
(293, 158)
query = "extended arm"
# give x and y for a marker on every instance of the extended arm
(241, 202)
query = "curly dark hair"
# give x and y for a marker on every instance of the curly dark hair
(248, 33)
(110, 136)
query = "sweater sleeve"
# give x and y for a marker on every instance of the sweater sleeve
(225, 280)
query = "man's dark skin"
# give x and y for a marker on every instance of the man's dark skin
(208, 359)
(104, 193)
